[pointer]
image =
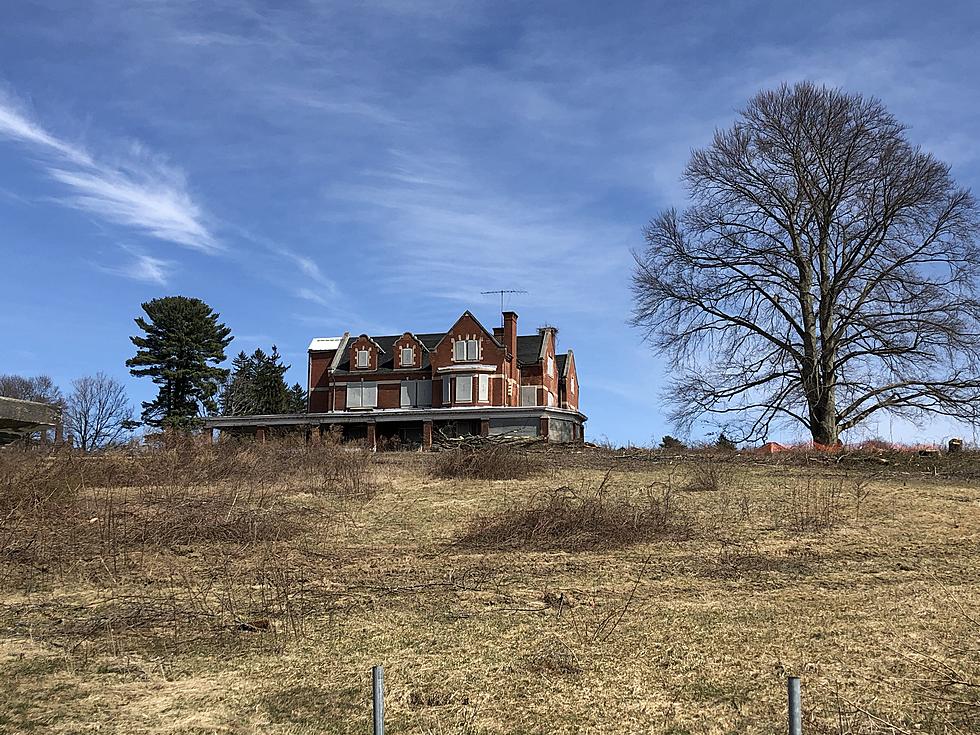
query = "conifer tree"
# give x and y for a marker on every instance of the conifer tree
(183, 345)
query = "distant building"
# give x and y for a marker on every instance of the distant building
(466, 380)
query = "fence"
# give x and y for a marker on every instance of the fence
(794, 709)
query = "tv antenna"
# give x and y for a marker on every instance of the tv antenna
(502, 292)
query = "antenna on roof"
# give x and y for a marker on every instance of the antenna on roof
(502, 292)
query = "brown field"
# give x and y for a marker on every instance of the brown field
(250, 589)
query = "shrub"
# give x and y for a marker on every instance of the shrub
(709, 474)
(490, 462)
(576, 519)
(670, 442)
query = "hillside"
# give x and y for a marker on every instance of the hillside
(250, 589)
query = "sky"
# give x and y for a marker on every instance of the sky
(314, 168)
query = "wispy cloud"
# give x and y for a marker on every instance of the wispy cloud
(140, 191)
(142, 267)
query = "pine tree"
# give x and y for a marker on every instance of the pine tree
(297, 399)
(257, 386)
(183, 346)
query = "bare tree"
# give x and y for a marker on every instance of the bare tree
(97, 412)
(40, 388)
(826, 271)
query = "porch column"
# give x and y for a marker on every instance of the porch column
(543, 426)
(426, 435)
(372, 436)
(261, 434)
(484, 427)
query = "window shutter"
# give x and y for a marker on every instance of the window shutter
(484, 394)
(424, 396)
(472, 349)
(369, 395)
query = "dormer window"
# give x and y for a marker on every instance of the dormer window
(466, 350)
(363, 358)
(408, 357)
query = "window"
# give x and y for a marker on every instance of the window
(362, 395)
(571, 383)
(466, 350)
(445, 391)
(408, 356)
(529, 395)
(484, 394)
(416, 393)
(551, 365)
(464, 389)
(363, 358)
(551, 398)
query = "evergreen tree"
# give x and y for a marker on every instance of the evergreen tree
(257, 386)
(183, 345)
(297, 399)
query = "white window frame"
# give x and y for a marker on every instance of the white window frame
(367, 357)
(472, 350)
(464, 389)
(411, 356)
(459, 350)
(483, 394)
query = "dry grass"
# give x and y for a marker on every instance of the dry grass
(489, 462)
(249, 588)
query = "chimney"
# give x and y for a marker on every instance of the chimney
(498, 333)
(510, 332)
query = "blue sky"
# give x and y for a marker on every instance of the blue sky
(311, 168)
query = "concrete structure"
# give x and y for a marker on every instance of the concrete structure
(467, 380)
(23, 418)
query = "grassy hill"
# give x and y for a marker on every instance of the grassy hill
(250, 588)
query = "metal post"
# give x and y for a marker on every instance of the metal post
(378, 687)
(795, 713)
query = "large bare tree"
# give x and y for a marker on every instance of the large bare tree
(825, 272)
(97, 412)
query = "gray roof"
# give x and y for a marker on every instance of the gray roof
(528, 352)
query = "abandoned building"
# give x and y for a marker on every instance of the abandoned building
(465, 381)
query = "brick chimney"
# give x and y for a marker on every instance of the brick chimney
(510, 333)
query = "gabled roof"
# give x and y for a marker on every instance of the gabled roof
(529, 348)
(562, 361)
(386, 352)
(478, 323)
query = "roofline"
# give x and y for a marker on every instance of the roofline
(478, 323)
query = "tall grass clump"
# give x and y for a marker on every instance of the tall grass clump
(490, 462)
(590, 517)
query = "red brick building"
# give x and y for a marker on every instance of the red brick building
(466, 380)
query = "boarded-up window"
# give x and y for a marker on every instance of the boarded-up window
(529, 395)
(464, 389)
(551, 365)
(363, 358)
(472, 349)
(459, 350)
(408, 357)
(362, 395)
(445, 391)
(484, 394)
(416, 393)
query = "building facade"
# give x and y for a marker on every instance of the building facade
(407, 387)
